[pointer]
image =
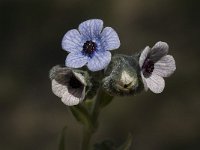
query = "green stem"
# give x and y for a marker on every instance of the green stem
(96, 106)
(87, 134)
(95, 111)
(102, 100)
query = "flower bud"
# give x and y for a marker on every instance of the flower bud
(122, 76)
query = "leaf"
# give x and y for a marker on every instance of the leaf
(62, 139)
(82, 116)
(127, 144)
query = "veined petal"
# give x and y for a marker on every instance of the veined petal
(144, 55)
(126, 78)
(73, 97)
(159, 50)
(72, 41)
(109, 39)
(165, 66)
(80, 77)
(58, 89)
(91, 29)
(76, 60)
(99, 61)
(155, 83)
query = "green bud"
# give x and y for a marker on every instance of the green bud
(122, 76)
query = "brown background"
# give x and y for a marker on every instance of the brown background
(31, 117)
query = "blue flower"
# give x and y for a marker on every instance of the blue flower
(90, 45)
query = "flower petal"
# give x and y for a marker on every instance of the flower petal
(144, 82)
(155, 83)
(73, 97)
(80, 77)
(109, 39)
(159, 50)
(91, 29)
(59, 74)
(58, 89)
(76, 60)
(72, 41)
(99, 61)
(165, 66)
(144, 55)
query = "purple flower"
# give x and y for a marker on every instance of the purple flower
(69, 85)
(156, 64)
(90, 45)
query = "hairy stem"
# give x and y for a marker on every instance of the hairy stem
(95, 111)
(96, 106)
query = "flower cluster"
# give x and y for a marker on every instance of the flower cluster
(91, 46)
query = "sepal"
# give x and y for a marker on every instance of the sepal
(122, 76)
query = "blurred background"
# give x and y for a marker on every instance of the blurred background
(31, 117)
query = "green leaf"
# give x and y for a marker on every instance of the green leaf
(62, 139)
(82, 115)
(127, 144)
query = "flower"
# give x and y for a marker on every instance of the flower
(154, 65)
(89, 46)
(69, 85)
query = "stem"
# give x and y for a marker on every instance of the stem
(87, 134)
(102, 100)
(95, 110)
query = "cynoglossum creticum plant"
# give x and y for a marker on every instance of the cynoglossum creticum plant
(91, 77)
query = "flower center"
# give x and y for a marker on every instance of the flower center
(89, 47)
(148, 67)
(75, 83)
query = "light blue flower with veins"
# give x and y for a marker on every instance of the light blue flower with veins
(90, 45)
